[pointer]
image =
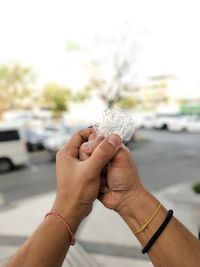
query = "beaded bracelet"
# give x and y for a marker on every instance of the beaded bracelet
(54, 213)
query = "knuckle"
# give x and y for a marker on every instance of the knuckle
(80, 132)
(92, 136)
(77, 134)
(84, 133)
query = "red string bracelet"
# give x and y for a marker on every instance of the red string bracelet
(54, 213)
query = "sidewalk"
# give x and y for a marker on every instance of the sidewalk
(76, 257)
(105, 235)
(105, 238)
(109, 240)
(24, 217)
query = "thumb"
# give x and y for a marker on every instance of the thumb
(104, 152)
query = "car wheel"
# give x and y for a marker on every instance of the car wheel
(5, 165)
(29, 147)
(164, 127)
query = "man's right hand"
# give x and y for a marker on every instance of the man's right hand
(120, 181)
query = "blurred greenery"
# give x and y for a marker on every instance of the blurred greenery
(72, 46)
(82, 95)
(15, 83)
(127, 102)
(16, 92)
(56, 98)
(190, 108)
(196, 188)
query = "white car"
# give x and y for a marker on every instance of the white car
(162, 121)
(12, 148)
(55, 143)
(186, 123)
(146, 121)
(35, 138)
(193, 125)
(178, 124)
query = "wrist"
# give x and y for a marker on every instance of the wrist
(68, 211)
(138, 208)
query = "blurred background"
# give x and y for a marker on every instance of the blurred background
(61, 64)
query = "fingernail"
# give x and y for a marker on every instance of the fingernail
(115, 140)
(86, 146)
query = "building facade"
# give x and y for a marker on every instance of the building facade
(166, 90)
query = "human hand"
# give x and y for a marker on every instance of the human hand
(120, 181)
(78, 181)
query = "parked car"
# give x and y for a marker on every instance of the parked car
(190, 123)
(35, 138)
(193, 124)
(178, 124)
(56, 142)
(12, 148)
(146, 121)
(162, 120)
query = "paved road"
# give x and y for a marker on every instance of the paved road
(167, 158)
(163, 159)
(36, 179)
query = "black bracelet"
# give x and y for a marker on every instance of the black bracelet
(158, 232)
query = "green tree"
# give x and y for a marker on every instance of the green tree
(127, 102)
(82, 95)
(15, 81)
(56, 98)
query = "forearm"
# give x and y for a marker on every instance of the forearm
(176, 246)
(45, 248)
(48, 245)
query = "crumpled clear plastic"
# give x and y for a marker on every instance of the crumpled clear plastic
(115, 121)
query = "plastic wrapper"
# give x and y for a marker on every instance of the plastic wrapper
(118, 122)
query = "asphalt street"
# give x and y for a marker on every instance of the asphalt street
(163, 159)
(166, 158)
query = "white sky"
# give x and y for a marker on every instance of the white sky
(34, 32)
